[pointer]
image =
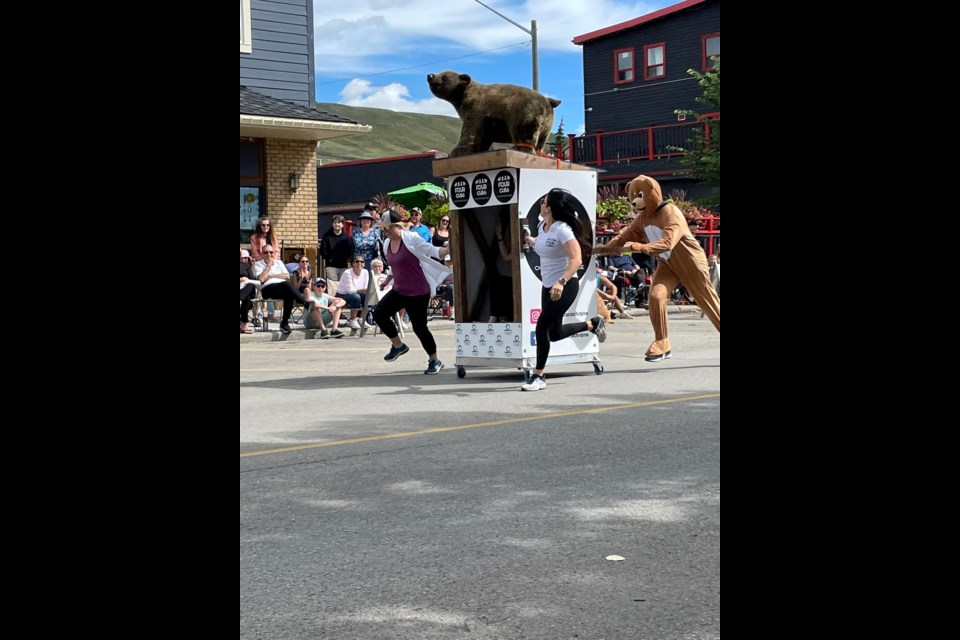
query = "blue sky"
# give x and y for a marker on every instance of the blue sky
(377, 53)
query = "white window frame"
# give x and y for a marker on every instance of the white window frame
(246, 39)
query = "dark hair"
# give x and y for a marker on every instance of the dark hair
(269, 236)
(563, 206)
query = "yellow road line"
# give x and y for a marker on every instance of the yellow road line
(476, 425)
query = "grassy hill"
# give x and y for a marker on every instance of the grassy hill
(394, 134)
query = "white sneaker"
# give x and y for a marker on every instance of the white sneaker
(354, 324)
(536, 383)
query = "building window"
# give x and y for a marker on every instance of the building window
(246, 40)
(711, 47)
(654, 61)
(623, 63)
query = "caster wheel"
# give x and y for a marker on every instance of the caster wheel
(597, 368)
(461, 372)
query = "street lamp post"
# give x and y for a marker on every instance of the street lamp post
(533, 42)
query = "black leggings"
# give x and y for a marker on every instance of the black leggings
(246, 300)
(416, 307)
(550, 327)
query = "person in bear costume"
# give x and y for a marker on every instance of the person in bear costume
(661, 230)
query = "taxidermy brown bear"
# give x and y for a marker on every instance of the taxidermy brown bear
(494, 112)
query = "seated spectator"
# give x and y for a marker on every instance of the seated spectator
(353, 288)
(624, 267)
(608, 293)
(646, 262)
(322, 310)
(248, 288)
(445, 290)
(377, 278)
(275, 283)
(302, 274)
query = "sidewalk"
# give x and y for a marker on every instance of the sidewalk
(436, 325)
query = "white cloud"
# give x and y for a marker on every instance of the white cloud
(354, 30)
(360, 43)
(394, 96)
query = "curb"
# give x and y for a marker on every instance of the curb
(307, 334)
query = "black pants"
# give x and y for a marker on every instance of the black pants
(283, 291)
(246, 297)
(550, 327)
(416, 307)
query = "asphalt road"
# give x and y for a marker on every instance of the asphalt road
(378, 503)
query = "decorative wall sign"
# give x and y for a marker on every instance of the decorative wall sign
(497, 186)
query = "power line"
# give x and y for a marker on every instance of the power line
(426, 64)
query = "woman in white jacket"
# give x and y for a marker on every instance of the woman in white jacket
(415, 280)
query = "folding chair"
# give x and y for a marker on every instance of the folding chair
(373, 297)
(437, 303)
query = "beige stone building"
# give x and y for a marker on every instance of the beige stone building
(278, 167)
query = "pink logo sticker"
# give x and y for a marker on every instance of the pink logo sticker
(534, 315)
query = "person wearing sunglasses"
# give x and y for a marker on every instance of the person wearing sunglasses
(302, 275)
(275, 283)
(416, 224)
(415, 280)
(353, 288)
(322, 310)
(366, 241)
(441, 235)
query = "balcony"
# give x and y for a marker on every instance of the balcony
(638, 149)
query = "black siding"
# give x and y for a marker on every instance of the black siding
(358, 182)
(647, 102)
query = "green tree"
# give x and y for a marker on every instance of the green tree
(561, 141)
(703, 155)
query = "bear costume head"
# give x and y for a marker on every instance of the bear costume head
(644, 194)
(494, 112)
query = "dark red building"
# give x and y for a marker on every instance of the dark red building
(634, 77)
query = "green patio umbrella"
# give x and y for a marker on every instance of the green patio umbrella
(418, 195)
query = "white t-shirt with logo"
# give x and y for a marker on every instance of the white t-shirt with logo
(553, 255)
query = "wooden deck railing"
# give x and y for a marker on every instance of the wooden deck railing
(647, 143)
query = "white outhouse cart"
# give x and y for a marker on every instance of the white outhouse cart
(501, 190)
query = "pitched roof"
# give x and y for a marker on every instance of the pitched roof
(264, 117)
(650, 17)
(258, 104)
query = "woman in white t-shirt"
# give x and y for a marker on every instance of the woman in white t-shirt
(557, 244)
